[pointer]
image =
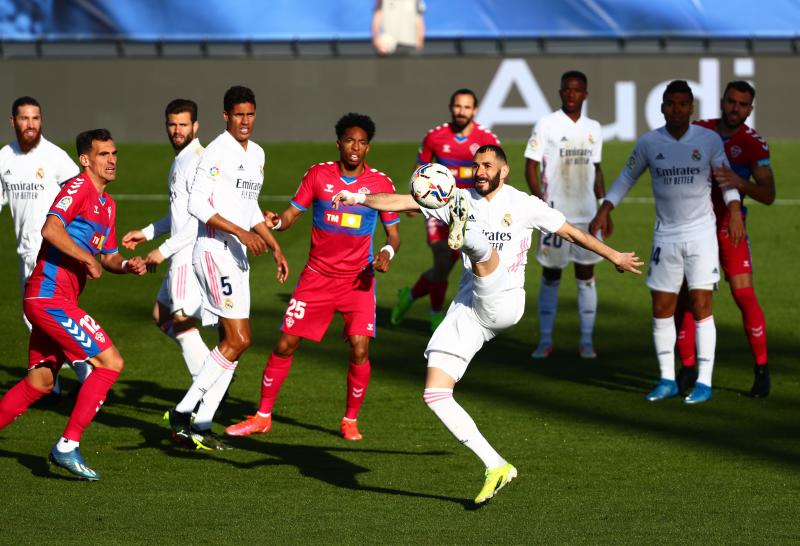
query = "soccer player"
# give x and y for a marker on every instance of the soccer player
(224, 198)
(180, 298)
(80, 225)
(492, 223)
(568, 146)
(340, 273)
(453, 145)
(681, 158)
(748, 155)
(32, 171)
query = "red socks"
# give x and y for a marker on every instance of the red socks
(686, 338)
(357, 381)
(17, 400)
(421, 288)
(274, 373)
(91, 396)
(755, 327)
(438, 290)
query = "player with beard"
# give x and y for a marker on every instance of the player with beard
(453, 145)
(568, 146)
(340, 274)
(751, 175)
(32, 171)
(492, 223)
(180, 297)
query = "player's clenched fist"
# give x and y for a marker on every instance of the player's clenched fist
(93, 269)
(271, 218)
(137, 266)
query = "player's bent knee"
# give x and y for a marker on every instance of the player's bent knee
(444, 370)
(111, 359)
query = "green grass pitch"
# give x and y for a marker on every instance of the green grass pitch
(598, 465)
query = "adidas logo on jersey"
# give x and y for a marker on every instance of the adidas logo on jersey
(241, 167)
(660, 156)
(564, 139)
(8, 172)
(471, 218)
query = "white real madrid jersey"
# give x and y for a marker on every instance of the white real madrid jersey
(30, 182)
(183, 226)
(568, 151)
(681, 172)
(508, 221)
(228, 182)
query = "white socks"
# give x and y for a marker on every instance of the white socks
(664, 337)
(213, 368)
(211, 401)
(194, 350)
(587, 308)
(461, 425)
(706, 344)
(65, 446)
(548, 301)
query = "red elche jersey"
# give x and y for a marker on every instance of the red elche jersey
(746, 150)
(443, 146)
(341, 239)
(89, 219)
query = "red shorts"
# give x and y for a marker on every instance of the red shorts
(317, 297)
(62, 331)
(735, 260)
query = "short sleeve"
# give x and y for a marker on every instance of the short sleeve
(543, 217)
(534, 148)
(596, 142)
(389, 218)
(69, 200)
(304, 196)
(425, 154)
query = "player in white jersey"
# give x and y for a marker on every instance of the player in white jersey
(492, 223)
(179, 300)
(224, 198)
(32, 170)
(568, 146)
(681, 158)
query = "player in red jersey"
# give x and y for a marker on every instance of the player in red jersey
(454, 145)
(79, 226)
(340, 273)
(748, 154)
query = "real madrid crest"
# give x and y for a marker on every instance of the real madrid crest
(506, 221)
(696, 155)
(40, 173)
(591, 138)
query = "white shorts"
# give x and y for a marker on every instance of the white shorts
(493, 305)
(556, 253)
(697, 260)
(180, 290)
(225, 287)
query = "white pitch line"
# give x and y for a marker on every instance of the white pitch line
(286, 198)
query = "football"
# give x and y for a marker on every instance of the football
(432, 185)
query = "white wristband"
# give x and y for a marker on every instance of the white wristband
(359, 198)
(389, 249)
(124, 266)
(277, 226)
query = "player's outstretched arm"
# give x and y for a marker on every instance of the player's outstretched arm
(385, 202)
(56, 234)
(623, 261)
